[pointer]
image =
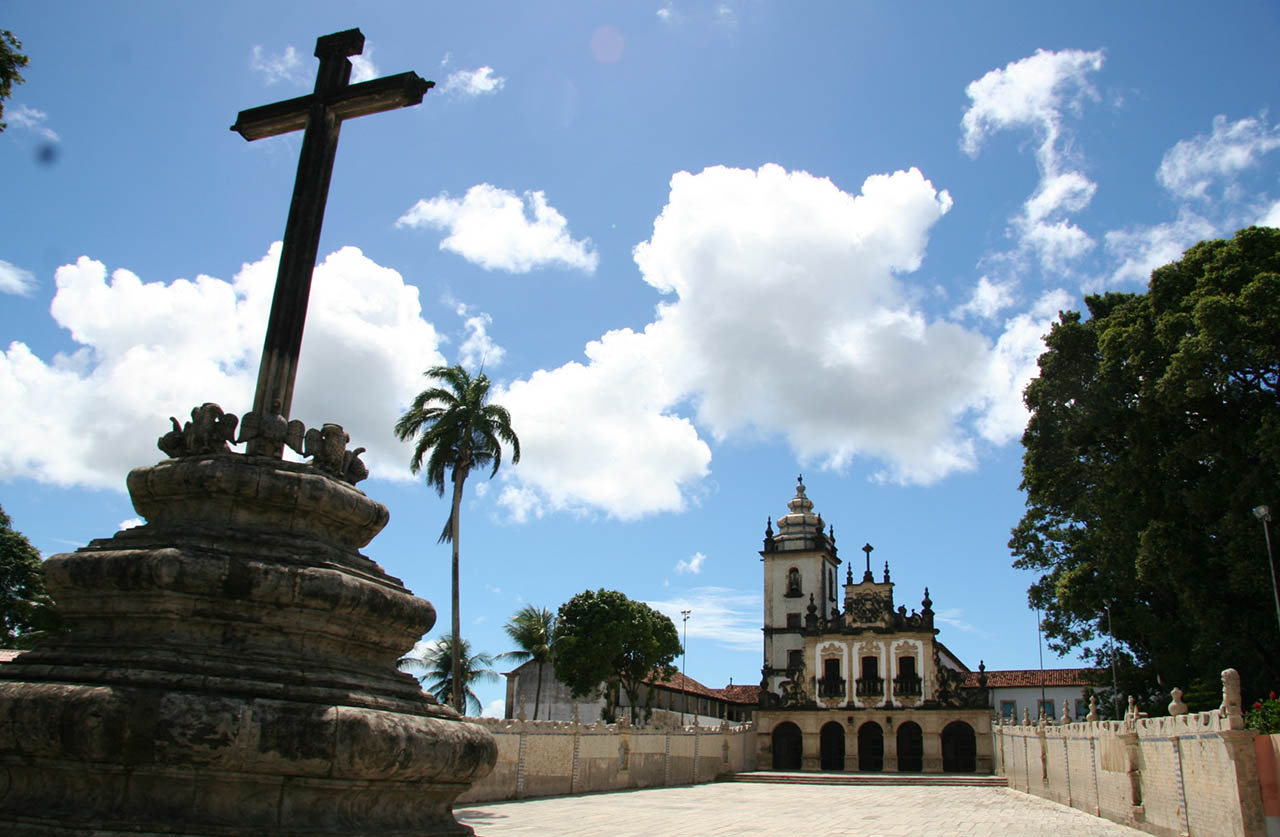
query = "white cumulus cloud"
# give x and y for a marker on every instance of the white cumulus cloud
(500, 230)
(15, 280)
(1141, 249)
(788, 315)
(30, 119)
(153, 350)
(691, 565)
(468, 84)
(284, 66)
(1036, 93)
(1191, 166)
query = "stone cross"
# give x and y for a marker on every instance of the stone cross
(320, 115)
(867, 575)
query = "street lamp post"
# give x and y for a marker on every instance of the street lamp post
(1040, 647)
(1263, 513)
(1111, 637)
(684, 653)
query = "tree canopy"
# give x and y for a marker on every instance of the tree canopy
(606, 641)
(438, 671)
(532, 629)
(26, 612)
(11, 61)
(1154, 433)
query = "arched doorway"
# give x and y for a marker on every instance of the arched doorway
(870, 747)
(959, 748)
(910, 748)
(788, 746)
(832, 742)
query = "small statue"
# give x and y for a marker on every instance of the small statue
(209, 431)
(1176, 706)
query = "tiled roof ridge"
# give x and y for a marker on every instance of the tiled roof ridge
(1009, 678)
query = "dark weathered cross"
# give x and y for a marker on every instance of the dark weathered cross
(867, 575)
(321, 115)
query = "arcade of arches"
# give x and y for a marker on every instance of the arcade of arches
(874, 746)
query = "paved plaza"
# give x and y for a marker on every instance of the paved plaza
(731, 808)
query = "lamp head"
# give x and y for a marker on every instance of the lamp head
(1263, 513)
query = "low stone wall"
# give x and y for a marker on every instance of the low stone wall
(1177, 775)
(554, 758)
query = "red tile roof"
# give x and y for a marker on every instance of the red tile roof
(741, 694)
(732, 694)
(1015, 678)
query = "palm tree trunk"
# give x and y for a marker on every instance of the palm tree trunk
(537, 693)
(459, 477)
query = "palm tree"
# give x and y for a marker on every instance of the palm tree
(460, 431)
(440, 674)
(531, 629)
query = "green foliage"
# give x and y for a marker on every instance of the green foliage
(11, 61)
(1264, 716)
(604, 640)
(456, 430)
(26, 611)
(533, 630)
(1154, 431)
(436, 663)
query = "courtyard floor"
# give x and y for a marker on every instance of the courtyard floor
(741, 808)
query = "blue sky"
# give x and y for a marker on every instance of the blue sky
(701, 247)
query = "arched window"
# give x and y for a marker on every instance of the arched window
(793, 582)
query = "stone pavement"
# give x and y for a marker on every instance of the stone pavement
(733, 808)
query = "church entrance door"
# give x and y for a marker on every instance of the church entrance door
(832, 740)
(910, 748)
(788, 746)
(959, 748)
(870, 747)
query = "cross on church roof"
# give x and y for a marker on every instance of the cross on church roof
(321, 114)
(867, 576)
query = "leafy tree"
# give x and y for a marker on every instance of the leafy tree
(606, 638)
(440, 672)
(1154, 432)
(11, 61)
(460, 431)
(533, 629)
(26, 611)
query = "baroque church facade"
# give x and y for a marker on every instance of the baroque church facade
(850, 681)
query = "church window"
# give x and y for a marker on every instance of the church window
(1082, 709)
(793, 582)
(793, 620)
(1009, 711)
(795, 659)
(1046, 709)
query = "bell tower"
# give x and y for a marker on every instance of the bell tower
(800, 583)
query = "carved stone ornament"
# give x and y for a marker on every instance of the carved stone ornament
(867, 607)
(210, 430)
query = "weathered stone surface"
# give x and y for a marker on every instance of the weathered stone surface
(230, 670)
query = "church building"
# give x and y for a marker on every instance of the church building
(851, 681)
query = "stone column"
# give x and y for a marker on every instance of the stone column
(932, 760)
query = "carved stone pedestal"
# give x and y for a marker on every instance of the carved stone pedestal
(230, 670)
